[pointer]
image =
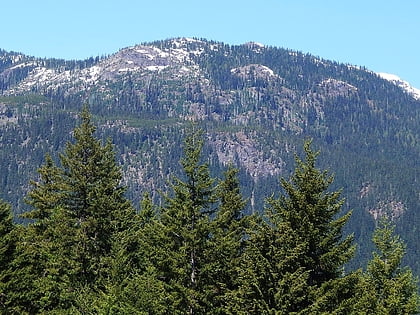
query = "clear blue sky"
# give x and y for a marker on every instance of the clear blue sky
(383, 35)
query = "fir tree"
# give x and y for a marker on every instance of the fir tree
(45, 195)
(386, 287)
(93, 197)
(7, 251)
(25, 268)
(186, 223)
(134, 286)
(227, 242)
(298, 248)
(37, 273)
(6, 240)
(78, 212)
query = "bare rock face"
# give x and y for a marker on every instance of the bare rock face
(254, 71)
(392, 209)
(240, 149)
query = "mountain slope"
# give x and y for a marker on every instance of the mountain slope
(256, 103)
(401, 83)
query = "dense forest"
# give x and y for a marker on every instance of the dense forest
(86, 249)
(255, 105)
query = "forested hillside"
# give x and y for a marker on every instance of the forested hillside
(87, 250)
(256, 106)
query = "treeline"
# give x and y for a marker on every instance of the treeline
(86, 250)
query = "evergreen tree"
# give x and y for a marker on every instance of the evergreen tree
(37, 271)
(57, 266)
(6, 240)
(27, 265)
(45, 195)
(386, 287)
(226, 244)
(298, 248)
(94, 197)
(186, 224)
(7, 250)
(78, 212)
(134, 286)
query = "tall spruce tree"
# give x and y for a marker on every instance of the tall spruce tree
(49, 242)
(94, 197)
(7, 252)
(78, 211)
(186, 223)
(40, 274)
(7, 245)
(45, 195)
(386, 287)
(226, 244)
(134, 285)
(297, 248)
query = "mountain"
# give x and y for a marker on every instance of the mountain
(257, 104)
(401, 83)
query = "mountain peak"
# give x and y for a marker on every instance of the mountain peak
(401, 83)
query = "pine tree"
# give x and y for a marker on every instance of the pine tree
(227, 242)
(93, 197)
(270, 279)
(44, 265)
(386, 287)
(25, 268)
(134, 286)
(297, 248)
(32, 278)
(45, 195)
(186, 223)
(6, 241)
(57, 265)
(78, 212)
(7, 250)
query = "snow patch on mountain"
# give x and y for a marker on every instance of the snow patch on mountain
(155, 68)
(401, 83)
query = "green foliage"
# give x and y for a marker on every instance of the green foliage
(366, 127)
(7, 250)
(298, 247)
(45, 195)
(6, 229)
(84, 250)
(93, 196)
(386, 287)
(24, 99)
(186, 224)
(77, 211)
(226, 244)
